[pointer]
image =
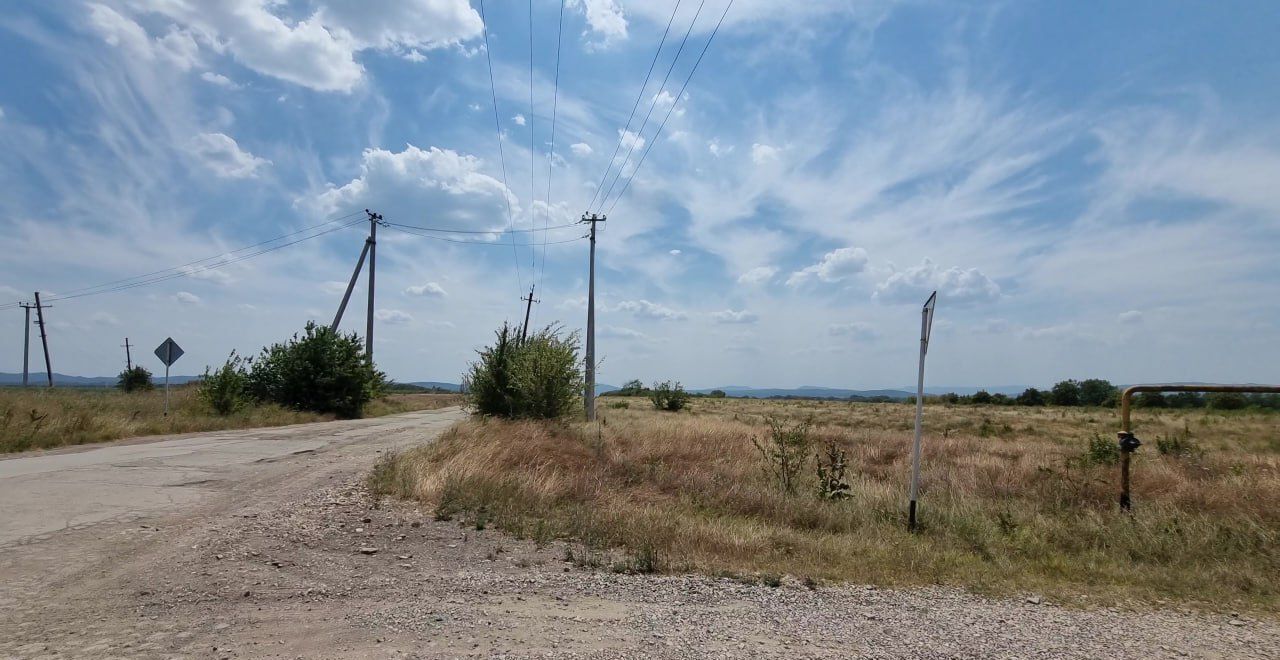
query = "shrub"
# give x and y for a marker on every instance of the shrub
(631, 388)
(1149, 400)
(1065, 393)
(536, 379)
(321, 371)
(831, 474)
(136, 379)
(1227, 401)
(1031, 397)
(717, 394)
(226, 390)
(785, 452)
(669, 396)
(1102, 451)
(981, 397)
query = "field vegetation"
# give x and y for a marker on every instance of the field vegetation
(40, 418)
(1014, 499)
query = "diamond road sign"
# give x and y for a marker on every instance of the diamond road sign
(169, 352)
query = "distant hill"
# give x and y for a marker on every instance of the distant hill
(63, 380)
(805, 392)
(429, 384)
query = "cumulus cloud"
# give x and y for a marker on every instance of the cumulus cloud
(616, 332)
(758, 275)
(316, 51)
(428, 290)
(674, 253)
(407, 182)
(519, 120)
(221, 154)
(855, 330)
(644, 309)
(392, 316)
(580, 149)
(735, 317)
(604, 17)
(717, 150)
(956, 286)
(187, 298)
(630, 141)
(763, 153)
(834, 266)
(217, 79)
(177, 46)
(1131, 317)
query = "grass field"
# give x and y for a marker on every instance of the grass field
(1011, 501)
(40, 418)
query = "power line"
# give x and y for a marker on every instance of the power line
(187, 269)
(673, 107)
(497, 124)
(490, 232)
(533, 151)
(405, 230)
(654, 104)
(551, 158)
(634, 106)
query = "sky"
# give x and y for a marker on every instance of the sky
(1091, 187)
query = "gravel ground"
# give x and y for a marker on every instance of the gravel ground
(299, 562)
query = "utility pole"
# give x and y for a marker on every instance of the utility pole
(26, 341)
(128, 357)
(589, 396)
(374, 219)
(44, 338)
(524, 329)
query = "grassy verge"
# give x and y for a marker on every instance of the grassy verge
(39, 418)
(1010, 501)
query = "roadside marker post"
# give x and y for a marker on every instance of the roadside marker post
(168, 351)
(926, 325)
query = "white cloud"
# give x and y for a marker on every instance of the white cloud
(1131, 317)
(630, 141)
(187, 298)
(674, 253)
(604, 17)
(647, 310)
(519, 120)
(855, 330)
(731, 316)
(177, 46)
(955, 286)
(763, 153)
(104, 318)
(833, 267)
(221, 154)
(415, 55)
(316, 51)
(392, 316)
(333, 286)
(581, 149)
(428, 290)
(404, 184)
(758, 275)
(616, 332)
(716, 150)
(218, 79)
(208, 274)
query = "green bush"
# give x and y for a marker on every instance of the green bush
(226, 390)
(536, 379)
(1097, 392)
(321, 371)
(1031, 397)
(137, 379)
(669, 396)
(785, 452)
(1227, 401)
(1065, 393)
(1102, 451)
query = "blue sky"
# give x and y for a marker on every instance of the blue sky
(1090, 186)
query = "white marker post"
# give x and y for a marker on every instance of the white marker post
(926, 324)
(168, 351)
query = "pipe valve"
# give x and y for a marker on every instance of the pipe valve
(1129, 443)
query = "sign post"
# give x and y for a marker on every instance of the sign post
(168, 351)
(926, 324)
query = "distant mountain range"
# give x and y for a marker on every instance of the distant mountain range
(64, 380)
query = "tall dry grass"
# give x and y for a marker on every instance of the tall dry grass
(40, 418)
(1008, 502)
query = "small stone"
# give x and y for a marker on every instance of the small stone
(1033, 600)
(359, 529)
(368, 551)
(366, 520)
(1237, 622)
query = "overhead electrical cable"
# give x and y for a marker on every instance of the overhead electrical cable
(533, 150)
(639, 134)
(634, 106)
(405, 230)
(497, 124)
(442, 230)
(551, 158)
(654, 141)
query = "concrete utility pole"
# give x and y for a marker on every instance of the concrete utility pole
(589, 396)
(926, 327)
(524, 329)
(26, 341)
(44, 338)
(374, 218)
(128, 357)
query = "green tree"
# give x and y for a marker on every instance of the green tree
(1096, 392)
(981, 397)
(321, 371)
(137, 379)
(631, 388)
(1227, 401)
(536, 379)
(1031, 397)
(1149, 400)
(1065, 393)
(1185, 400)
(717, 394)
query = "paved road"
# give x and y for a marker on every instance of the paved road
(70, 489)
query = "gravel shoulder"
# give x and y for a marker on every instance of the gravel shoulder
(293, 558)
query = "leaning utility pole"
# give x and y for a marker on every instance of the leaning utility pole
(524, 329)
(26, 341)
(128, 357)
(44, 338)
(370, 246)
(589, 396)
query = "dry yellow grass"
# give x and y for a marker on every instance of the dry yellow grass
(1007, 504)
(39, 418)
